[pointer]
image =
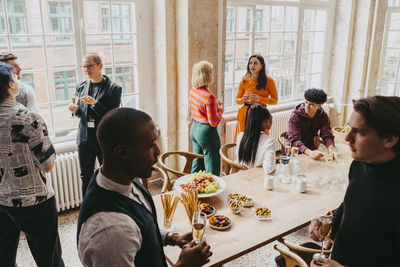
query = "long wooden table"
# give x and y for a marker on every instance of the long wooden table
(291, 211)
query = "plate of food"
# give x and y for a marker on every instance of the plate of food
(247, 200)
(220, 222)
(206, 184)
(262, 213)
(207, 209)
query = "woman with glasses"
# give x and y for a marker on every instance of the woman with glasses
(96, 95)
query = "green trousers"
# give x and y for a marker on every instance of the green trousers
(206, 141)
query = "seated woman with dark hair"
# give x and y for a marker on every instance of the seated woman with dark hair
(254, 148)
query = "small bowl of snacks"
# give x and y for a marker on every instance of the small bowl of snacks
(235, 205)
(220, 222)
(207, 209)
(248, 201)
(262, 213)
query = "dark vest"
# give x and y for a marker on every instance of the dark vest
(98, 199)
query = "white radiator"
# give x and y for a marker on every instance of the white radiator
(66, 181)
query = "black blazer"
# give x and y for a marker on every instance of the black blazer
(108, 97)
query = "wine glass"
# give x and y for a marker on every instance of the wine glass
(75, 98)
(324, 227)
(198, 225)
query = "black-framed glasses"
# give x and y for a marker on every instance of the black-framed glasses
(89, 66)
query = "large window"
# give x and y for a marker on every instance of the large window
(389, 71)
(50, 39)
(292, 38)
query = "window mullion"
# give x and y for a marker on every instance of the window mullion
(298, 51)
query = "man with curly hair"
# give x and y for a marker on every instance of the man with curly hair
(307, 120)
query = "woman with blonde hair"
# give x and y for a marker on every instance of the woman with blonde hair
(206, 113)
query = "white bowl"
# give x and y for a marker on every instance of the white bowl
(220, 228)
(262, 218)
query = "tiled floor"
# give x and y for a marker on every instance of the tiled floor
(263, 256)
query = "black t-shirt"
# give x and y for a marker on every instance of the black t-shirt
(368, 221)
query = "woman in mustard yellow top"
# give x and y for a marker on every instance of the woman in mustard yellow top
(255, 87)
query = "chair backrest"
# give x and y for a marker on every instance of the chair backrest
(291, 258)
(306, 250)
(228, 165)
(281, 141)
(189, 156)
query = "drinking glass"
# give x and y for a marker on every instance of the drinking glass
(288, 148)
(324, 226)
(198, 225)
(74, 99)
(295, 151)
(284, 175)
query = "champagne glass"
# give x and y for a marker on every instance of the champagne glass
(288, 148)
(75, 98)
(324, 226)
(198, 225)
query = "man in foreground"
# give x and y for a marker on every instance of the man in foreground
(367, 223)
(117, 223)
(26, 95)
(306, 121)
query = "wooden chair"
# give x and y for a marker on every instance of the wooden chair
(307, 250)
(228, 165)
(291, 258)
(189, 156)
(160, 172)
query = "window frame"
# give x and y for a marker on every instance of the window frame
(329, 6)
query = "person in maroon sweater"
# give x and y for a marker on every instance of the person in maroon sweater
(306, 121)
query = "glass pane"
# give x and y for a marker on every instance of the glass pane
(389, 73)
(309, 19)
(273, 65)
(230, 19)
(277, 18)
(125, 49)
(320, 23)
(317, 62)
(242, 20)
(305, 64)
(229, 70)
(307, 44)
(130, 101)
(64, 84)
(59, 19)
(97, 16)
(289, 44)
(395, 21)
(40, 85)
(229, 47)
(291, 18)
(61, 54)
(30, 55)
(286, 85)
(242, 45)
(124, 77)
(240, 69)
(266, 17)
(64, 123)
(261, 44)
(303, 85)
(228, 96)
(319, 42)
(316, 80)
(393, 39)
(392, 57)
(101, 45)
(276, 44)
(288, 65)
